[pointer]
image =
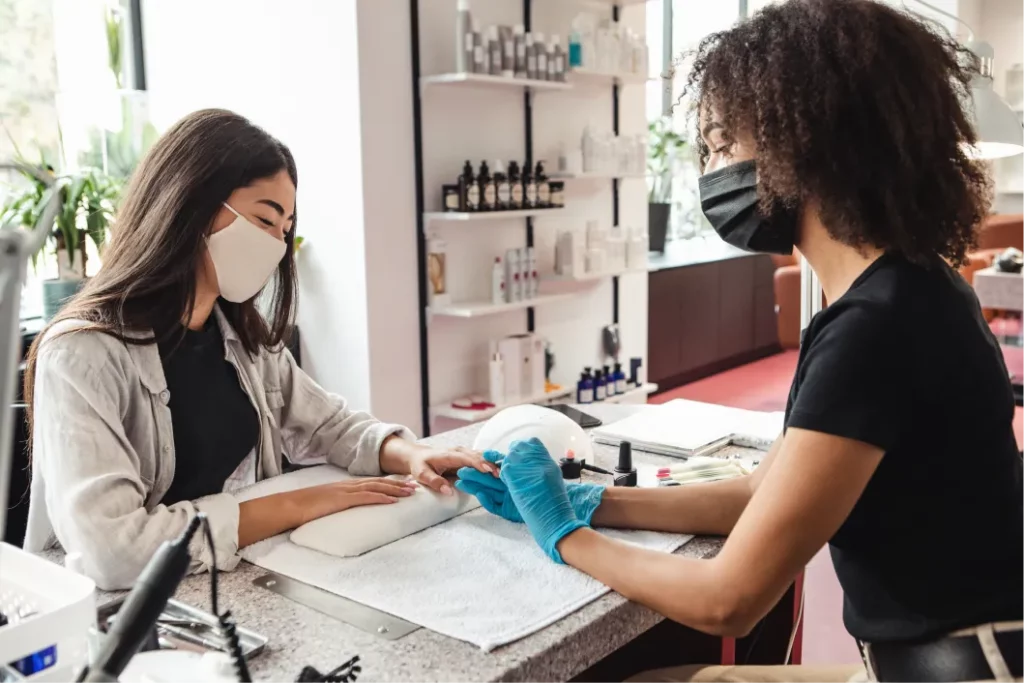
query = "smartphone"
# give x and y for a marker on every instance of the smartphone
(579, 417)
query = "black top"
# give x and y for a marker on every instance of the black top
(215, 423)
(905, 361)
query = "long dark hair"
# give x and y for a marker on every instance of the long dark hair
(148, 279)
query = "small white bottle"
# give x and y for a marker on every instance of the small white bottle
(463, 38)
(541, 51)
(531, 58)
(479, 53)
(519, 37)
(513, 290)
(498, 282)
(496, 380)
(531, 261)
(493, 51)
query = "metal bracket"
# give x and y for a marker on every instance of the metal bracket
(353, 613)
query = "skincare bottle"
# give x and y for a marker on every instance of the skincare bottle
(600, 386)
(529, 189)
(501, 188)
(486, 183)
(498, 282)
(575, 51)
(437, 275)
(585, 388)
(508, 51)
(524, 274)
(552, 60)
(541, 52)
(494, 50)
(531, 268)
(609, 382)
(469, 191)
(463, 38)
(450, 197)
(513, 291)
(620, 379)
(531, 58)
(543, 189)
(558, 57)
(519, 38)
(557, 194)
(515, 185)
(479, 53)
(496, 380)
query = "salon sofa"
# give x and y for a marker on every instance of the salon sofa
(999, 232)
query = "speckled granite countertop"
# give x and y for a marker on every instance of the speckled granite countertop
(299, 636)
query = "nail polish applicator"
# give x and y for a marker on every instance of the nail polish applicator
(625, 473)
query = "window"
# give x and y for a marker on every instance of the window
(68, 101)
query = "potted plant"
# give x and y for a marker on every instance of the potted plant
(87, 201)
(663, 149)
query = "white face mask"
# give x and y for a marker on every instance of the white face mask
(244, 257)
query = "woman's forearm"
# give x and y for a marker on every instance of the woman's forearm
(711, 508)
(262, 518)
(685, 590)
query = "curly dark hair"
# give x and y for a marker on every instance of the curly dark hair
(859, 107)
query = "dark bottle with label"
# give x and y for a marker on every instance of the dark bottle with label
(501, 188)
(515, 185)
(469, 191)
(543, 189)
(486, 182)
(529, 189)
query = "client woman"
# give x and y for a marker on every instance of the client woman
(161, 386)
(837, 126)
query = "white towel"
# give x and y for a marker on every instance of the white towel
(476, 577)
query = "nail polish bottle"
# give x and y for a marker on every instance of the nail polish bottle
(469, 191)
(515, 186)
(543, 189)
(529, 189)
(486, 183)
(501, 187)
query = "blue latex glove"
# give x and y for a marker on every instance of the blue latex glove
(494, 496)
(535, 485)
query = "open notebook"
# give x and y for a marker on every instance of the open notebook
(682, 429)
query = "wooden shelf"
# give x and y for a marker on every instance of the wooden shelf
(487, 215)
(583, 76)
(466, 415)
(476, 309)
(473, 80)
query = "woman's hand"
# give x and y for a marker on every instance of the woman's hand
(428, 465)
(262, 518)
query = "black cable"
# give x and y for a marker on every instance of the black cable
(225, 624)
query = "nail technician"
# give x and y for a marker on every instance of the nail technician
(161, 386)
(837, 127)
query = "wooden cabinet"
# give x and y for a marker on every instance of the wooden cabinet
(708, 317)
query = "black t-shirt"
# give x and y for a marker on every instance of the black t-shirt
(215, 423)
(905, 361)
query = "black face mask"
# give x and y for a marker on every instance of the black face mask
(728, 198)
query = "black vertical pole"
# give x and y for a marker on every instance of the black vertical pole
(421, 239)
(615, 181)
(528, 118)
(138, 56)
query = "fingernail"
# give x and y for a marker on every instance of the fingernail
(446, 490)
(392, 499)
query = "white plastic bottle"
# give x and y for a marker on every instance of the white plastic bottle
(541, 51)
(531, 261)
(496, 380)
(498, 292)
(513, 286)
(463, 38)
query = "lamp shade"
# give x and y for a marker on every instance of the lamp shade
(999, 129)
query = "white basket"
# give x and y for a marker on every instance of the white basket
(64, 605)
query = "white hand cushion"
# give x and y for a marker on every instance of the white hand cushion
(359, 530)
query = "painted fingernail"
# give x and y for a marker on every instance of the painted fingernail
(446, 490)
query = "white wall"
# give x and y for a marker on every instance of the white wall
(293, 69)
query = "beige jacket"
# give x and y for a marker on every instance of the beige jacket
(103, 454)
